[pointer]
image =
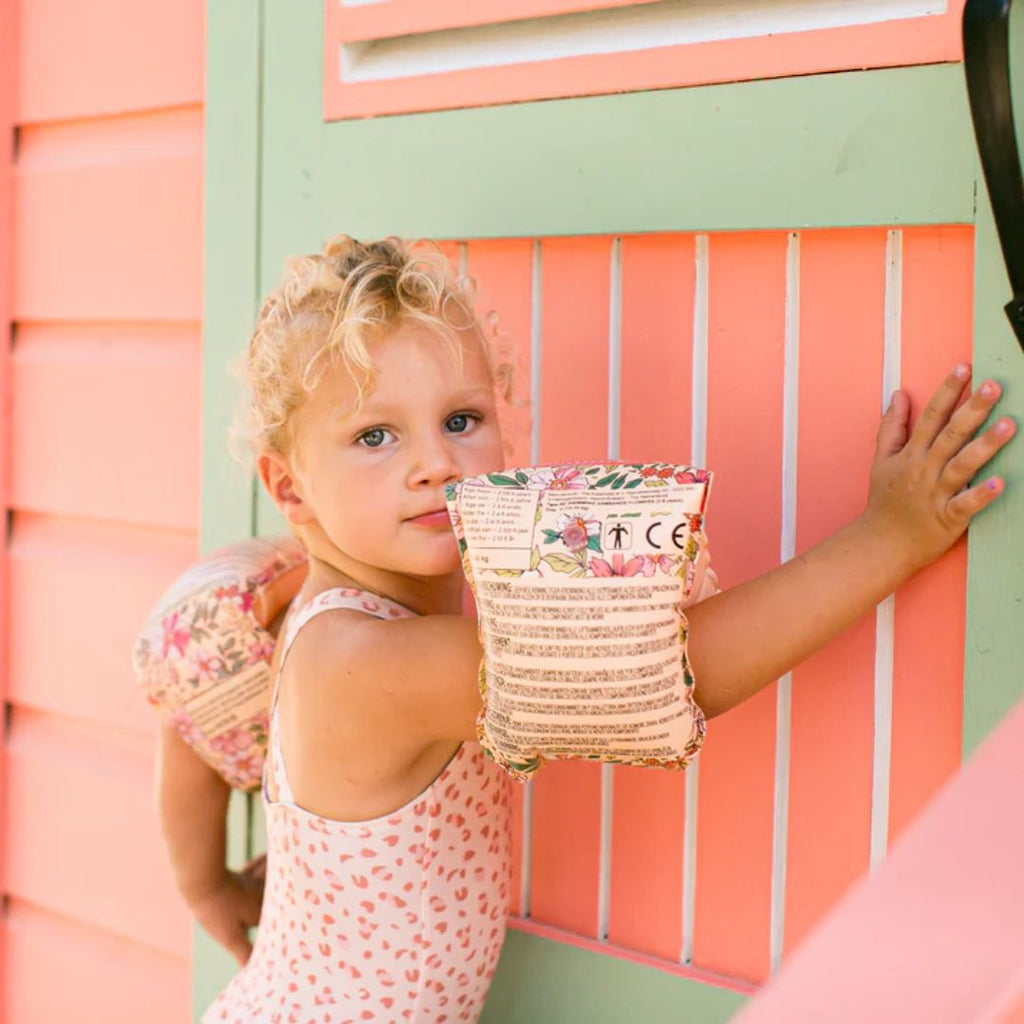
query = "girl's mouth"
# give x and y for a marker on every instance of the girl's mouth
(432, 520)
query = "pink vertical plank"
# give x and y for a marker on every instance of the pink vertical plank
(502, 271)
(9, 15)
(657, 345)
(842, 299)
(574, 342)
(503, 274)
(927, 708)
(574, 425)
(746, 350)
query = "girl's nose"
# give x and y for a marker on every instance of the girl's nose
(433, 462)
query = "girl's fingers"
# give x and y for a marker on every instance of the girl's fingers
(969, 503)
(964, 466)
(937, 412)
(963, 424)
(892, 431)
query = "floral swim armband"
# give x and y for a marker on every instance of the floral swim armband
(203, 656)
(581, 575)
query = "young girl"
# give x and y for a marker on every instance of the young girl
(387, 873)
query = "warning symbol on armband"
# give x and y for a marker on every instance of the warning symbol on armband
(618, 536)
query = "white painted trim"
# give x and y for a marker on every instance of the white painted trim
(692, 790)
(699, 389)
(615, 30)
(604, 883)
(604, 871)
(536, 320)
(885, 614)
(526, 852)
(536, 347)
(698, 457)
(615, 349)
(787, 550)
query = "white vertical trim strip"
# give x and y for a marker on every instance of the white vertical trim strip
(699, 395)
(698, 456)
(536, 348)
(536, 309)
(885, 613)
(615, 349)
(614, 416)
(787, 550)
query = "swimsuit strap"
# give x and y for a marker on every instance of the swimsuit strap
(351, 598)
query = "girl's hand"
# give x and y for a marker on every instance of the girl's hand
(230, 908)
(919, 499)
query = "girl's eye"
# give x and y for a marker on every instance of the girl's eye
(461, 422)
(373, 438)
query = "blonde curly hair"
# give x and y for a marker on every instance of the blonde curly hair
(327, 309)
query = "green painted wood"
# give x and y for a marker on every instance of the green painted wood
(886, 147)
(994, 679)
(232, 292)
(231, 254)
(539, 980)
(212, 965)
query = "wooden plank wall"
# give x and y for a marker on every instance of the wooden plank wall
(103, 435)
(766, 356)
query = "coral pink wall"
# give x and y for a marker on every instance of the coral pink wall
(103, 438)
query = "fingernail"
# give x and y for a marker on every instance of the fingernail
(992, 483)
(962, 372)
(989, 389)
(1005, 426)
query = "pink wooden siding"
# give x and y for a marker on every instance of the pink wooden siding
(104, 498)
(736, 349)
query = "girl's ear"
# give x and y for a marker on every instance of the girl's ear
(275, 471)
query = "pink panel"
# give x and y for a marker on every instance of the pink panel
(747, 291)
(125, 445)
(934, 38)
(928, 671)
(657, 347)
(62, 971)
(87, 841)
(574, 425)
(842, 288)
(108, 219)
(97, 581)
(935, 934)
(565, 853)
(9, 15)
(574, 346)
(502, 271)
(108, 56)
(657, 332)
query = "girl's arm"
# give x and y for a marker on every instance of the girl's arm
(192, 803)
(918, 505)
(417, 678)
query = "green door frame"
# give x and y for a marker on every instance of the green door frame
(585, 166)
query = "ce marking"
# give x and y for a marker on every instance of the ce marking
(678, 532)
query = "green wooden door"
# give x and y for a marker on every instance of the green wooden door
(822, 183)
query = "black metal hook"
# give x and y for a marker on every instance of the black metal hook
(986, 28)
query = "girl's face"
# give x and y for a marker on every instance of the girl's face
(373, 478)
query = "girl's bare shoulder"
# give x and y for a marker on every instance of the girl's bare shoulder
(417, 675)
